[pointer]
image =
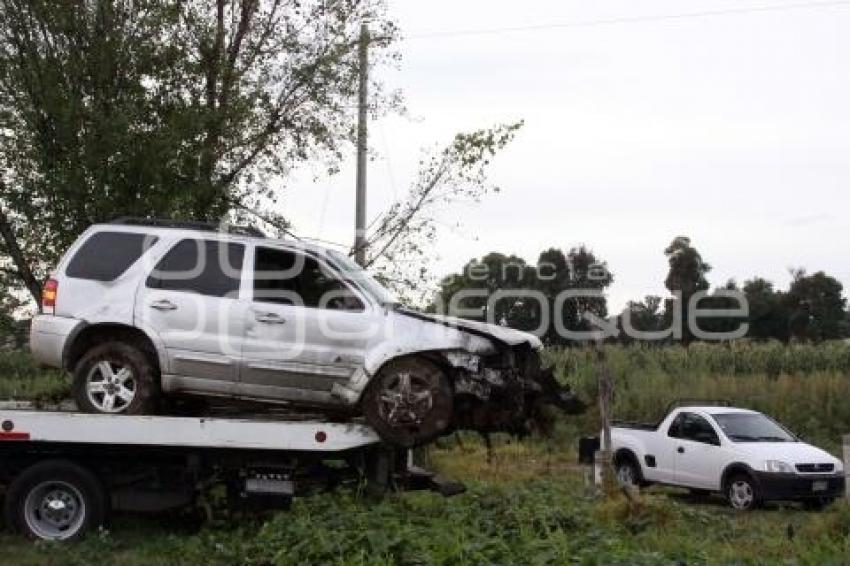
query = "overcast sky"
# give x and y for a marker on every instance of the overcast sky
(732, 129)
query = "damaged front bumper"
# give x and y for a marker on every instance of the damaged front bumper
(507, 392)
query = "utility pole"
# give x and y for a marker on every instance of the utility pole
(606, 390)
(362, 146)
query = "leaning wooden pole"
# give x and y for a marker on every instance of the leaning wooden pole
(606, 390)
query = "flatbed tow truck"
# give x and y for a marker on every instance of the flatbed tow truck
(65, 472)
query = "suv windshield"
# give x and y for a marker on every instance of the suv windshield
(351, 270)
(752, 427)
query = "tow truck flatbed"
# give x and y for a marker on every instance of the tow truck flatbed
(188, 432)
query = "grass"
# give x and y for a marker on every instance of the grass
(506, 517)
(21, 379)
(528, 502)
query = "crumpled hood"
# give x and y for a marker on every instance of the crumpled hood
(503, 333)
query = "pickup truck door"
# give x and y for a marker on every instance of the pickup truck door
(699, 455)
(659, 463)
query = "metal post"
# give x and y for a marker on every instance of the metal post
(360, 212)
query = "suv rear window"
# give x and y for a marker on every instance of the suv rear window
(106, 255)
(207, 267)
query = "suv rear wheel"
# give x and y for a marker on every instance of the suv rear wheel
(116, 378)
(409, 402)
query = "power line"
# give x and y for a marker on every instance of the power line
(632, 20)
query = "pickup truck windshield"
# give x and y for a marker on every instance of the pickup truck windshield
(752, 427)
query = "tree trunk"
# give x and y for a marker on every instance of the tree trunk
(22, 266)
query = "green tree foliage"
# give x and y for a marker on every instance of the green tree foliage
(686, 275)
(815, 306)
(768, 313)
(173, 108)
(522, 285)
(401, 238)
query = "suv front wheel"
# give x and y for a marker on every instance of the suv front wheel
(115, 378)
(409, 402)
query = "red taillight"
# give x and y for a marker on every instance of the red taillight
(48, 295)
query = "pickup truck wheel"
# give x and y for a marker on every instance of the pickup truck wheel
(115, 378)
(628, 474)
(742, 492)
(409, 402)
(55, 500)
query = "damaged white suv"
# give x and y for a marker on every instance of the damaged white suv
(138, 309)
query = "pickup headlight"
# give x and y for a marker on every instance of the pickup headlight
(778, 467)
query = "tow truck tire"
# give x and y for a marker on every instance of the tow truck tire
(409, 402)
(55, 500)
(116, 378)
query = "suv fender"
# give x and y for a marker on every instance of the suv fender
(74, 350)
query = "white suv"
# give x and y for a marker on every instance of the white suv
(141, 308)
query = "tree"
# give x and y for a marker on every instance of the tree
(175, 108)
(768, 313)
(527, 289)
(581, 271)
(686, 276)
(644, 316)
(816, 306)
(469, 292)
(398, 244)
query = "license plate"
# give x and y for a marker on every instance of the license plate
(819, 485)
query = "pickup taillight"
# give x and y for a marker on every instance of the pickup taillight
(48, 296)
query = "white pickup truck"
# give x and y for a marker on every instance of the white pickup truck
(743, 454)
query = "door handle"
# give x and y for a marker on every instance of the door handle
(163, 305)
(680, 449)
(269, 317)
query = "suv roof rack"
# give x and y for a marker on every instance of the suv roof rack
(697, 402)
(190, 225)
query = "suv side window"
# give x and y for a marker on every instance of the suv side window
(207, 267)
(289, 278)
(104, 256)
(690, 426)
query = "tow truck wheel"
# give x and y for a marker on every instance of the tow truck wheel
(409, 402)
(55, 500)
(115, 378)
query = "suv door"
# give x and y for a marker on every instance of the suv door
(306, 329)
(191, 300)
(699, 455)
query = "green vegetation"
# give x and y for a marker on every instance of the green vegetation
(528, 502)
(804, 386)
(22, 380)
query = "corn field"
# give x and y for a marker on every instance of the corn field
(806, 386)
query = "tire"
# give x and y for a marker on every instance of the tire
(116, 378)
(628, 473)
(55, 500)
(742, 492)
(409, 403)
